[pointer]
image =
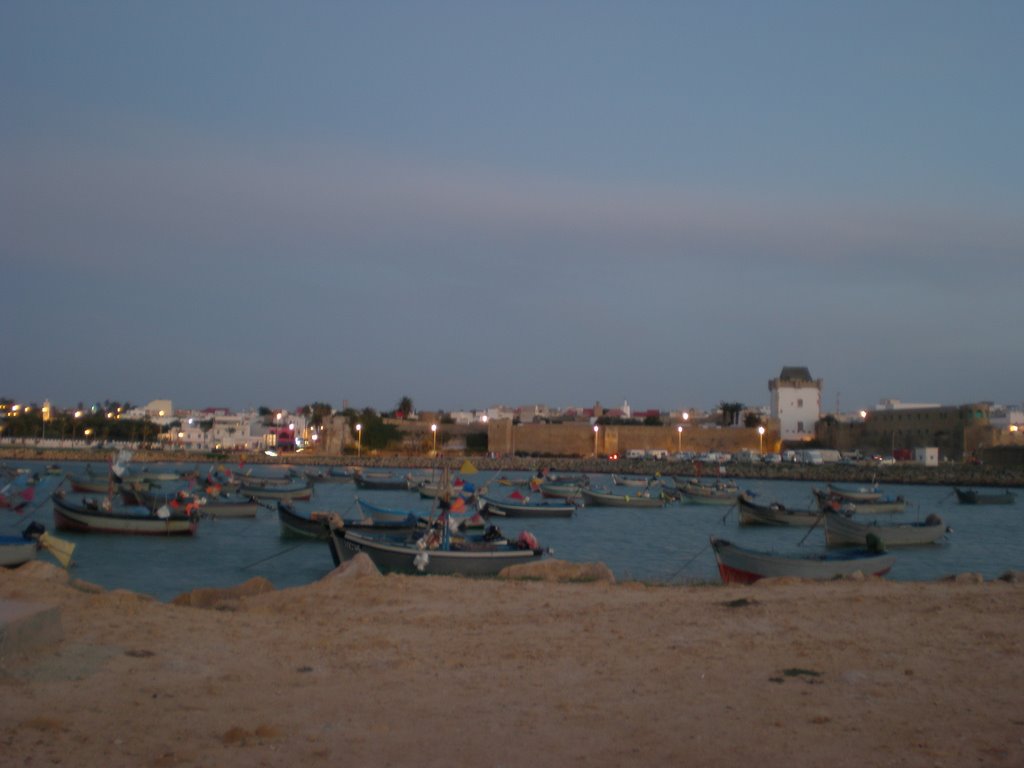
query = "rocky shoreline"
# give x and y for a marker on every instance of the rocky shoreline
(951, 474)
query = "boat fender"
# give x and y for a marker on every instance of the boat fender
(421, 561)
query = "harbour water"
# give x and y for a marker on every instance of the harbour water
(667, 545)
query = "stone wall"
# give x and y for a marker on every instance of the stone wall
(578, 439)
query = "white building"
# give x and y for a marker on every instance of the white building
(795, 402)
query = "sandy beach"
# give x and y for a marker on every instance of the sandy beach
(365, 669)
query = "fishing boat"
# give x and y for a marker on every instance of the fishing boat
(843, 530)
(17, 494)
(221, 505)
(90, 483)
(752, 513)
(517, 505)
(969, 496)
(880, 506)
(313, 526)
(381, 481)
(18, 550)
(442, 550)
(340, 474)
(633, 481)
(644, 498)
(90, 515)
(720, 492)
(854, 494)
(739, 565)
(439, 553)
(553, 490)
(300, 492)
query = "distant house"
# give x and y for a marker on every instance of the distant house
(795, 402)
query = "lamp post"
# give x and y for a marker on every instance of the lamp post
(433, 429)
(596, 430)
(760, 440)
(74, 425)
(359, 440)
(679, 443)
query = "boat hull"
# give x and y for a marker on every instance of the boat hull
(843, 531)
(775, 514)
(401, 557)
(15, 551)
(975, 497)
(738, 565)
(293, 493)
(69, 517)
(505, 508)
(597, 499)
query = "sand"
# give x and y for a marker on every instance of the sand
(361, 669)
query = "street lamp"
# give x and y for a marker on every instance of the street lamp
(359, 440)
(433, 429)
(74, 425)
(679, 443)
(760, 439)
(596, 429)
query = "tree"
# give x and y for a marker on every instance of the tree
(730, 413)
(376, 435)
(404, 409)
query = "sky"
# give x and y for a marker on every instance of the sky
(237, 204)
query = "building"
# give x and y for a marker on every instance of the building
(795, 403)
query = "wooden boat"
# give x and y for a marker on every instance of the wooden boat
(92, 516)
(383, 514)
(381, 481)
(883, 505)
(854, 494)
(437, 552)
(16, 495)
(524, 507)
(969, 496)
(340, 474)
(597, 498)
(844, 530)
(90, 483)
(18, 550)
(222, 505)
(633, 481)
(314, 526)
(739, 565)
(301, 492)
(752, 513)
(560, 490)
(719, 493)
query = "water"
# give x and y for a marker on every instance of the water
(667, 545)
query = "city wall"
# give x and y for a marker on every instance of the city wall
(580, 439)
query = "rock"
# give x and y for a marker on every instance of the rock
(358, 567)
(966, 578)
(39, 569)
(220, 598)
(559, 571)
(1013, 577)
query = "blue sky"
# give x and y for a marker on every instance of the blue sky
(472, 203)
